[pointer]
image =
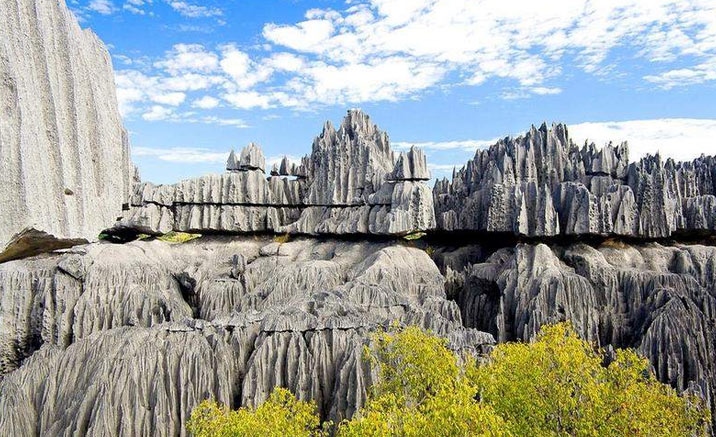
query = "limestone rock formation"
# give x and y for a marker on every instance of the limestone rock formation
(543, 185)
(656, 299)
(351, 183)
(65, 167)
(147, 330)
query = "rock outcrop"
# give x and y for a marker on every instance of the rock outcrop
(147, 330)
(543, 185)
(351, 183)
(65, 167)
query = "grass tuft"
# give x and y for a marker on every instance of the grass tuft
(178, 237)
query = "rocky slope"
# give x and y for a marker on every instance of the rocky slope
(65, 166)
(231, 316)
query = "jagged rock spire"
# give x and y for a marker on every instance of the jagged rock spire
(250, 158)
(411, 166)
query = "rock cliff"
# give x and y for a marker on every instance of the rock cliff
(656, 299)
(65, 167)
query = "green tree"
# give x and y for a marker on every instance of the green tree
(557, 386)
(422, 390)
(281, 415)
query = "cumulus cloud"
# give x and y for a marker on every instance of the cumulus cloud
(104, 7)
(194, 11)
(682, 139)
(206, 102)
(158, 112)
(136, 6)
(188, 58)
(381, 50)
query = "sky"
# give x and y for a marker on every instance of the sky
(198, 78)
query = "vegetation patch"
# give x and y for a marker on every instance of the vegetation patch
(281, 239)
(414, 236)
(178, 237)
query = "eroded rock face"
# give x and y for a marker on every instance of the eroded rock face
(65, 166)
(542, 185)
(656, 299)
(351, 183)
(147, 330)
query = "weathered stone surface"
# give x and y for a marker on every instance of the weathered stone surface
(65, 166)
(657, 299)
(542, 185)
(147, 330)
(349, 184)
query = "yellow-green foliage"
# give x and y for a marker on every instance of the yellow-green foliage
(557, 386)
(281, 239)
(414, 236)
(554, 386)
(422, 391)
(177, 237)
(281, 415)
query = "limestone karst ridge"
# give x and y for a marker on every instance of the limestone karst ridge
(539, 185)
(351, 183)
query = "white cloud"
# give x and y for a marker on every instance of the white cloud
(171, 99)
(206, 102)
(188, 58)
(680, 138)
(248, 100)
(136, 6)
(194, 11)
(104, 7)
(276, 159)
(158, 112)
(181, 154)
(685, 76)
(384, 50)
(545, 91)
(524, 41)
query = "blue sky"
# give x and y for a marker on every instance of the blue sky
(196, 78)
